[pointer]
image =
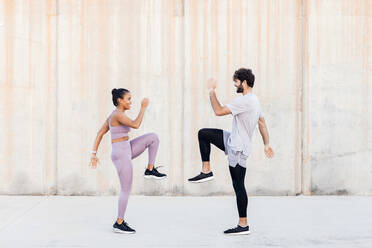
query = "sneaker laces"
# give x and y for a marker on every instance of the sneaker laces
(232, 229)
(156, 168)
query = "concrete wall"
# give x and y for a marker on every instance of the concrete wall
(59, 61)
(28, 90)
(337, 97)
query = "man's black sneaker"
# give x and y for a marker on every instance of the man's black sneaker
(123, 228)
(202, 177)
(154, 174)
(237, 231)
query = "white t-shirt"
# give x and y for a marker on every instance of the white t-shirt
(246, 111)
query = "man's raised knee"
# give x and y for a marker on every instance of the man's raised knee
(201, 133)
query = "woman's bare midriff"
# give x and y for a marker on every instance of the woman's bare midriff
(120, 139)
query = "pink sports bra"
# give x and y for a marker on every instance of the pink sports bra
(118, 131)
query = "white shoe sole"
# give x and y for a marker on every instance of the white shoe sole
(203, 180)
(239, 233)
(121, 231)
(153, 177)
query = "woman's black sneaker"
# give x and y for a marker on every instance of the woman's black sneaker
(123, 228)
(237, 231)
(202, 177)
(154, 174)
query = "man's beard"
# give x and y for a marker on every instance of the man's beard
(239, 89)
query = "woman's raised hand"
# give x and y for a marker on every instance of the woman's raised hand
(145, 103)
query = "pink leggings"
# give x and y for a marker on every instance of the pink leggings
(122, 154)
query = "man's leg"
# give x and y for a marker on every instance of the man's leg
(237, 175)
(206, 137)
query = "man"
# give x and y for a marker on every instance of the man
(246, 111)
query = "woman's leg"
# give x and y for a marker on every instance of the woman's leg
(139, 145)
(121, 157)
(126, 180)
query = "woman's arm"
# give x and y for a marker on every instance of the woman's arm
(136, 123)
(102, 131)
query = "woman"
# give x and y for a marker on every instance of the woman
(124, 150)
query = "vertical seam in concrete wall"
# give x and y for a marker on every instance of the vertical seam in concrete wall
(302, 40)
(50, 139)
(183, 95)
(57, 92)
(305, 139)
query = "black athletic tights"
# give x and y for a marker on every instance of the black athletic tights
(208, 136)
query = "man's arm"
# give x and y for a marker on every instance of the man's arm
(265, 137)
(217, 108)
(263, 130)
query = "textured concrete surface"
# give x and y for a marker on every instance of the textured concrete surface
(337, 97)
(59, 61)
(28, 97)
(185, 222)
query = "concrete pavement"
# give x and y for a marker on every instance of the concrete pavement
(76, 221)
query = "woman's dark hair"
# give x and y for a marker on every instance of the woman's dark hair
(244, 74)
(118, 93)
